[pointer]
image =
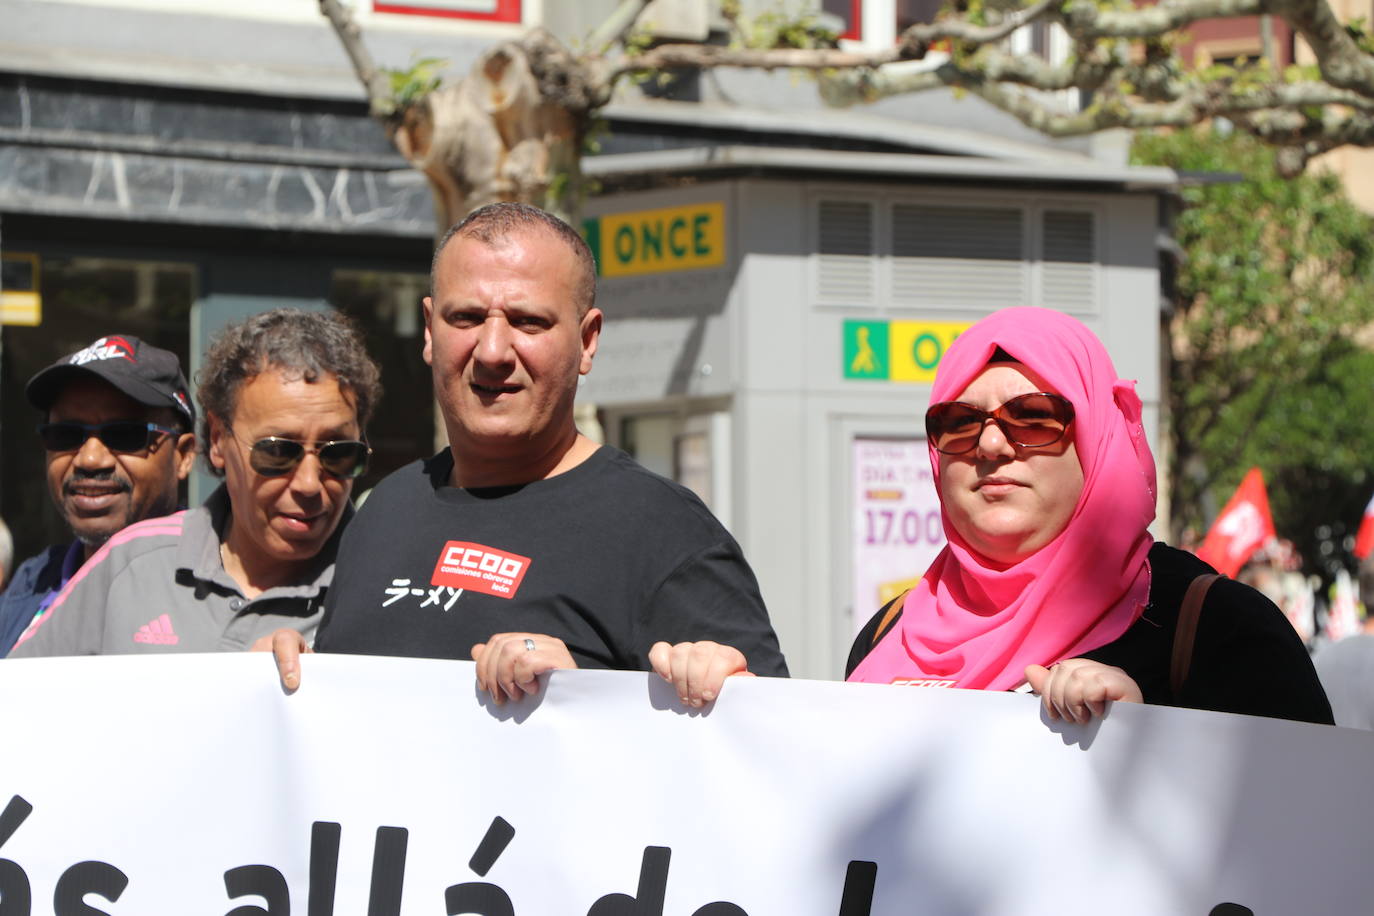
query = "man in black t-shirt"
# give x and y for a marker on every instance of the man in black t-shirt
(525, 545)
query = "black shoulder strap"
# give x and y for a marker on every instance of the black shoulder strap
(1186, 631)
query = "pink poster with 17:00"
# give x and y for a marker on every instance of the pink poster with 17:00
(895, 528)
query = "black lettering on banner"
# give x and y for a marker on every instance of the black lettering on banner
(16, 897)
(653, 884)
(69, 899)
(857, 897)
(15, 813)
(388, 871)
(388, 877)
(478, 898)
(497, 838)
(260, 880)
(324, 867)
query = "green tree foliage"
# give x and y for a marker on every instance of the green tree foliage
(1274, 303)
(409, 86)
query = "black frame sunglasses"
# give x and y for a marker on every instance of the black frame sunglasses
(275, 456)
(1034, 420)
(116, 435)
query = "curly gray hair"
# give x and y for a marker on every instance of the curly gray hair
(300, 343)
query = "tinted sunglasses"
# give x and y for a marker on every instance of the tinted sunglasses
(1028, 420)
(117, 435)
(275, 457)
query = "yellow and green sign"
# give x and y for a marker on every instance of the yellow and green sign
(897, 351)
(657, 241)
(20, 301)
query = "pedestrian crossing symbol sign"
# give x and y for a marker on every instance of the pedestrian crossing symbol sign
(865, 349)
(897, 351)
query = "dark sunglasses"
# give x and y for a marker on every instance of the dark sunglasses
(117, 435)
(275, 456)
(1028, 420)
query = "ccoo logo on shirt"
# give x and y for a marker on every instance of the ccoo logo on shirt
(478, 568)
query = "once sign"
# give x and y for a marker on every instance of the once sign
(655, 241)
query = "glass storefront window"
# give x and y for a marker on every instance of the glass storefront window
(671, 445)
(850, 12)
(387, 305)
(648, 438)
(916, 12)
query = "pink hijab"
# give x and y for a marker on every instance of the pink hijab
(975, 625)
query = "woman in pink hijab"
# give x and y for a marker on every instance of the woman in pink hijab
(1050, 579)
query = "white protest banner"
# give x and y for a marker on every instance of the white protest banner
(192, 785)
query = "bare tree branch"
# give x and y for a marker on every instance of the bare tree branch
(704, 57)
(379, 100)
(1342, 62)
(914, 44)
(617, 25)
(918, 38)
(1122, 60)
(1087, 20)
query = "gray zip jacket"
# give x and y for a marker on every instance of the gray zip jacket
(159, 586)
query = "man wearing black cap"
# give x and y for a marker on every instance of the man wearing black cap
(118, 433)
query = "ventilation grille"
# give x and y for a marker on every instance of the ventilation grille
(845, 262)
(1068, 269)
(958, 256)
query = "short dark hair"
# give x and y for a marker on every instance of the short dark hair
(495, 223)
(172, 419)
(309, 344)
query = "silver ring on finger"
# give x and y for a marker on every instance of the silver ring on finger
(529, 644)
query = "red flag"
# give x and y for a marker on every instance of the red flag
(1241, 528)
(1364, 538)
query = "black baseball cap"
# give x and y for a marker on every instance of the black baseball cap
(148, 374)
